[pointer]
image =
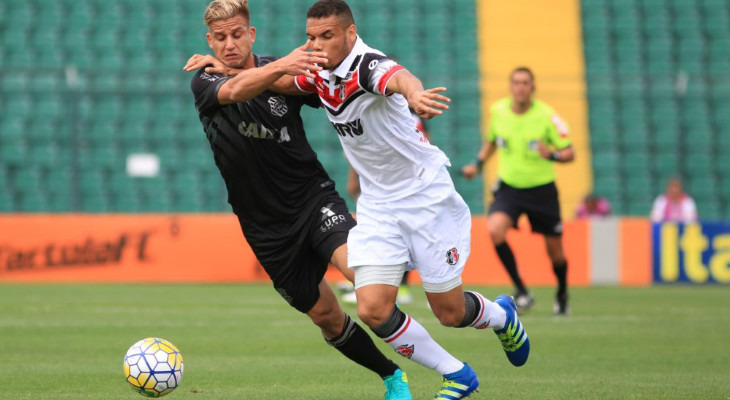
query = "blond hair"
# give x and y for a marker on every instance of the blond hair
(224, 9)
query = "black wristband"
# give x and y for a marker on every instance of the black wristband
(554, 156)
(479, 163)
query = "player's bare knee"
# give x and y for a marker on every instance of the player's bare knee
(497, 234)
(325, 315)
(450, 318)
(372, 314)
(556, 255)
(557, 258)
(448, 314)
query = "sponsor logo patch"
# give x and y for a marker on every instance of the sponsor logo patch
(329, 219)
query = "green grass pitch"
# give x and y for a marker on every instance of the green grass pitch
(243, 342)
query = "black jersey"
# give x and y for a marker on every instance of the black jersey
(272, 173)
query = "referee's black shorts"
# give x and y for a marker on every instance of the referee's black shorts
(540, 203)
(296, 256)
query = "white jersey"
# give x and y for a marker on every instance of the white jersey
(378, 134)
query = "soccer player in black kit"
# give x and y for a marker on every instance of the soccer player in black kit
(290, 214)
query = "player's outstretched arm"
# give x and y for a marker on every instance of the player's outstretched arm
(250, 82)
(427, 103)
(471, 170)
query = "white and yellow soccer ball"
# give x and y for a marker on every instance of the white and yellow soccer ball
(153, 367)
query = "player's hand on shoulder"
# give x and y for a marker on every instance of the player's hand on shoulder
(428, 103)
(215, 66)
(303, 62)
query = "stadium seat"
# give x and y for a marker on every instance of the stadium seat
(13, 151)
(31, 202)
(27, 180)
(698, 164)
(659, 43)
(120, 101)
(666, 164)
(633, 162)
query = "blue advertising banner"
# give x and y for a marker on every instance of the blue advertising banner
(692, 253)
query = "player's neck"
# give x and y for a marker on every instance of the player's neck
(250, 62)
(349, 51)
(521, 107)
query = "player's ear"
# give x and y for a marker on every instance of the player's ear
(207, 37)
(351, 33)
(252, 32)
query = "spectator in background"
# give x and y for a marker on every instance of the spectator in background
(593, 206)
(674, 205)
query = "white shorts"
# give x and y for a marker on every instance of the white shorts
(429, 230)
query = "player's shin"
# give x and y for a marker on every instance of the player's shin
(355, 344)
(409, 339)
(482, 313)
(507, 257)
(561, 273)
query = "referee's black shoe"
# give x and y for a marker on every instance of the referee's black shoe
(561, 304)
(524, 301)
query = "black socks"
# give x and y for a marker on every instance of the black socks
(357, 345)
(508, 260)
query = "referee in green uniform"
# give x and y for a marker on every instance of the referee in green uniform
(529, 137)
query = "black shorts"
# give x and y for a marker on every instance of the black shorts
(296, 256)
(540, 203)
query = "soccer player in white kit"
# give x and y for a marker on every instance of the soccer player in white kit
(408, 212)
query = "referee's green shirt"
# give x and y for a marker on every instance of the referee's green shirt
(516, 137)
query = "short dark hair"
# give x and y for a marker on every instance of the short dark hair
(328, 8)
(523, 69)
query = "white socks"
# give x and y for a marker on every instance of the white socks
(412, 341)
(491, 314)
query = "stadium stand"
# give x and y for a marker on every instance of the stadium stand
(658, 75)
(85, 83)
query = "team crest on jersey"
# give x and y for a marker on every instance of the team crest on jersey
(343, 92)
(278, 106)
(452, 256)
(405, 350)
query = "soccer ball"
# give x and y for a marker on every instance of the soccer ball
(153, 367)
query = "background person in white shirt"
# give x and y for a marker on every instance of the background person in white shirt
(674, 205)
